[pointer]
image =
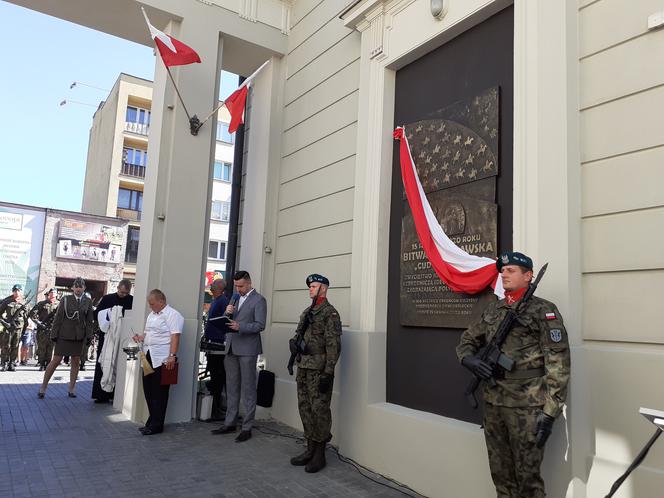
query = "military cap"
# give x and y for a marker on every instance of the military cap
(48, 291)
(17, 287)
(315, 277)
(78, 282)
(514, 258)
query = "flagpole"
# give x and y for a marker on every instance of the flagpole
(170, 75)
(178, 92)
(244, 83)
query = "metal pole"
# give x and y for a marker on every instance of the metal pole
(234, 215)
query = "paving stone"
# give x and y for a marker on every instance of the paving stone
(72, 449)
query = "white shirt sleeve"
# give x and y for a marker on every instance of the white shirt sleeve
(175, 321)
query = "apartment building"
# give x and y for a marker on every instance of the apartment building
(117, 162)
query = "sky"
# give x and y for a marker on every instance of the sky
(44, 144)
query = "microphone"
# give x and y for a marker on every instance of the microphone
(234, 300)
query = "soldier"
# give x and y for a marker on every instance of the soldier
(14, 320)
(520, 409)
(319, 337)
(42, 314)
(72, 326)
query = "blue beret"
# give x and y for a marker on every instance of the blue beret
(315, 277)
(514, 258)
(17, 287)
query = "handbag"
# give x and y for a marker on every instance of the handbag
(169, 377)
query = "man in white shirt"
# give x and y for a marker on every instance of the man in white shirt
(161, 338)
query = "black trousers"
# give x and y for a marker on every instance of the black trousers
(97, 391)
(215, 365)
(156, 396)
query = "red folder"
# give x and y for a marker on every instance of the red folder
(169, 377)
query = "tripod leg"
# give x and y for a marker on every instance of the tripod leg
(637, 461)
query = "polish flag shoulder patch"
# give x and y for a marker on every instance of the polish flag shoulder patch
(550, 316)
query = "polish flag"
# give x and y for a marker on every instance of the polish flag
(235, 104)
(461, 272)
(173, 52)
(236, 101)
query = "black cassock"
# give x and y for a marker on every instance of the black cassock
(106, 303)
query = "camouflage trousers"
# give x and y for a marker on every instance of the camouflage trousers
(9, 345)
(514, 459)
(44, 348)
(314, 406)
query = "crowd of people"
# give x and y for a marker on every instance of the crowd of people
(525, 381)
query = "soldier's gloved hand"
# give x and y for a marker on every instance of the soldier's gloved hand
(325, 383)
(543, 428)
(292, 346)
(5, 323)
(477, 366)
(88, 342)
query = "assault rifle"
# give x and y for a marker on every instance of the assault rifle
(8, 325)
(297, 345)
(491, 354)
(46, 324)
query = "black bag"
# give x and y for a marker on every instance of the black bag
(207, 345)
(265, 390)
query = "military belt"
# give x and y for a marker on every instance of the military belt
(525, 374)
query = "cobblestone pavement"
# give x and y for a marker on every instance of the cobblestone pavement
(61, 446)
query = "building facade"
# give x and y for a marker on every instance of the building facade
(57, 246)
(117, 161)
(580, 156)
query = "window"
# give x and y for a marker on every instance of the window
(137, 115)
(130, 199)
(222, 171)
(131, 254)
(221, 210)
(222, 133)
(216, 249)
(137, 157)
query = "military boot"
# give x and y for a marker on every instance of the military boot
(304, 458)
(2, 367)
(10, 367)
(317, 461)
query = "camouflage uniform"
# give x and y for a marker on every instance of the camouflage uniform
(44, 311)
(538, 344)
(16, 314)
(323, 346)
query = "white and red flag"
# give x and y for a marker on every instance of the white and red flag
(461, 272)
(173, 52)
(236, 101)
(235, 104)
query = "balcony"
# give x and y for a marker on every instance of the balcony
(137, 128)
(128, 214)
(132, 170)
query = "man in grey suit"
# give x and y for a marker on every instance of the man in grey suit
(248, 311)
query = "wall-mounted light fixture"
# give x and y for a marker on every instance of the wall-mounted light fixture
(439, 8)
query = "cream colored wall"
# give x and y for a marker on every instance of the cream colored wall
(98, 165)
(622, 148)
(316, 178)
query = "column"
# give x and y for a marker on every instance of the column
(176, 203)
